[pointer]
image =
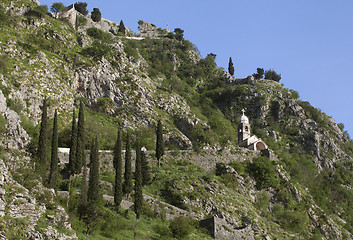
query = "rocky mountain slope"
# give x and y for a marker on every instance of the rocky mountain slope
(135, 80)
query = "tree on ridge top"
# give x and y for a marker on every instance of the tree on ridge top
(96, 15)
(121, 27)
(272, 75)
(231, 67)
(81, 7)
(57, 7)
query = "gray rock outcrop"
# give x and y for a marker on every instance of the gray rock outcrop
(15, 136)
(147, 29)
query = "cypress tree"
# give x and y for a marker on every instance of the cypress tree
(159, 142)
(231, 67)
(80, 140)
(54, 153)
(82, 208)
(138, 181)
(121, 27)
(118, 192)
(96, 15)
(42, 143)
(127, 186)
(93, 186)
(145, 168)
(73, 145)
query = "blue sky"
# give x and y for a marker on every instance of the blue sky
(309, 42)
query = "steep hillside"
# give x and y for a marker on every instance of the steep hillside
(206, 185)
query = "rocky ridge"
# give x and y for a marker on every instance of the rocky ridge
(139, 99)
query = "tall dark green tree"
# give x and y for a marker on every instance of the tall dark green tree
(231, 67)
(118, 191)
(159, 142)
(96, 15)
(138, 198)
(54, 153)
(145, 168)
(179, 34)
(121, 27)
(93, 186)
(81, 7)
(73, 145)
(82, 207)
(127, 186)
(42, 143)
(80, 140)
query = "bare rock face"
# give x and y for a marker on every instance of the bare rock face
(16, 137)
(105, 81)
(16, 202)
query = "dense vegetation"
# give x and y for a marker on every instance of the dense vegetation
(174, 64)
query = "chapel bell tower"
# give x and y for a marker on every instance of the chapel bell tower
(243, 128)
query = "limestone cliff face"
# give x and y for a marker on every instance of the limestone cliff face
(15, 136)
(125, 80)
(64, 78)
(279, 114)
(17, 202)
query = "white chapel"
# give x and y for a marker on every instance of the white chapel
(245, 139)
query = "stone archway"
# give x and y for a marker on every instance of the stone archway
(260, 146)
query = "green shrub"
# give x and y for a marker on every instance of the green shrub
(14, 228)
(220, 168)
(3, 122)
(181, 227)
(3, 63)
(314, 114)
(103, 126)
(81, 21)
(262, 170)
(15, 105)
(97, 50)
(104, 104)
(4, 17)
(163, 230)
(294, 94)
(98, 34)
(295, 221)
(239, 167)
(262, 201)
(148, 137)
(39, 11)
(272, 75)
(131, 52)
(173, 196)
(44, 41)
(230, 180)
